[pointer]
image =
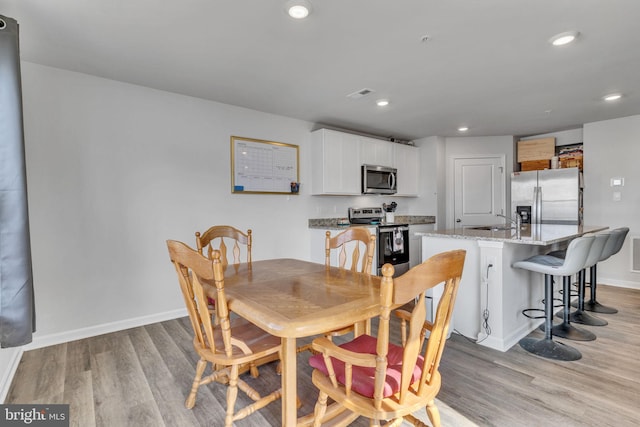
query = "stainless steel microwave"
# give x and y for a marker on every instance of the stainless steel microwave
(378, 180)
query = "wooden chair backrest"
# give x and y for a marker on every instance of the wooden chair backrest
(364, 241)
(444, 268)
(221, 232)
(192, 269)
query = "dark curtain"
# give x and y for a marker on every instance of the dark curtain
(17, 314)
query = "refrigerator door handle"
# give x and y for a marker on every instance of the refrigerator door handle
(534, 207)
(537, 201)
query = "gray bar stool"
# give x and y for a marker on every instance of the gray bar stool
(613, 246)
(580, 316)
(574, 261)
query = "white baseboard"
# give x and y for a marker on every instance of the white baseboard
(10, 359)
(618, 283)
(105, 328)
(504, 344)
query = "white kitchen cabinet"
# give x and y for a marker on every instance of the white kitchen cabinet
(375, 151)
(406, 159)
(337, 157)
(335, 163)
(415, 242)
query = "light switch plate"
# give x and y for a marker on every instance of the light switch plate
(617, 182)
(617, 196)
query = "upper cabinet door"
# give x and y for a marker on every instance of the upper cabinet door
(375, 151)
(335, 163)
(337, 159)
(406, 159)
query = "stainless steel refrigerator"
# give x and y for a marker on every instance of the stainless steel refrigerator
(550, 196)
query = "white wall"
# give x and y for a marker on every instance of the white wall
(432, 151)
(113, 171)
(612, 149)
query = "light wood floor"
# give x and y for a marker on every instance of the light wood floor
(141, 376)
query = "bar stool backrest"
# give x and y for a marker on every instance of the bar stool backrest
(615, 242)
(597, 247)
(577, 253)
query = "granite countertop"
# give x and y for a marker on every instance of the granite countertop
(537, 234)
(333, 223)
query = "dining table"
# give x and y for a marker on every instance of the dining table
(292, 299)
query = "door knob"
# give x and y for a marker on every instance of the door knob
(458, 220)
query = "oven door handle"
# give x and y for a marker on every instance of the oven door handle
(392, 228)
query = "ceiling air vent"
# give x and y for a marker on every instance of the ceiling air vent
(360, 93)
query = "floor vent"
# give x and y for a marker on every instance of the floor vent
(635, 254)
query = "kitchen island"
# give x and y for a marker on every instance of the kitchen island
(492, 295)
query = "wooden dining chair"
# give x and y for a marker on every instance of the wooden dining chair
(362, 246)
(361, 243)
(371, 377)
(233, 345)
(241, 243)
(233, 235)
(214, 238)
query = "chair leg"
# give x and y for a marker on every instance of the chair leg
(320, 409)
(592, 304)
(191, 400)
(566, 329)
(580, 316)
(232, 395)
(254, 370)
(433, 413)
(547, 347)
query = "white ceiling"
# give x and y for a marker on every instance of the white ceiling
(487, 63)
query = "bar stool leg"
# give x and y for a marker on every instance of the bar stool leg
(566, 329)
(580, 316)
(592, 304)
(546, 347)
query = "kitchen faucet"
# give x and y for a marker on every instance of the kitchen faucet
(517, 222)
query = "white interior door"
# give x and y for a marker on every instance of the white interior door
(479, 187)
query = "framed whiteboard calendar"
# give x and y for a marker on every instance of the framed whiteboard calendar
(259, 166)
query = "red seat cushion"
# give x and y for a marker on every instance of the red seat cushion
(363, 378)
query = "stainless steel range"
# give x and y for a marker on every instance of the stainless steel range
(365, 215)
(392, 240)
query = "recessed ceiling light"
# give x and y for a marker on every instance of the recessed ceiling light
(612, 97)
(382, 102)
(298, 9)
(463, 129)
(563, 38)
